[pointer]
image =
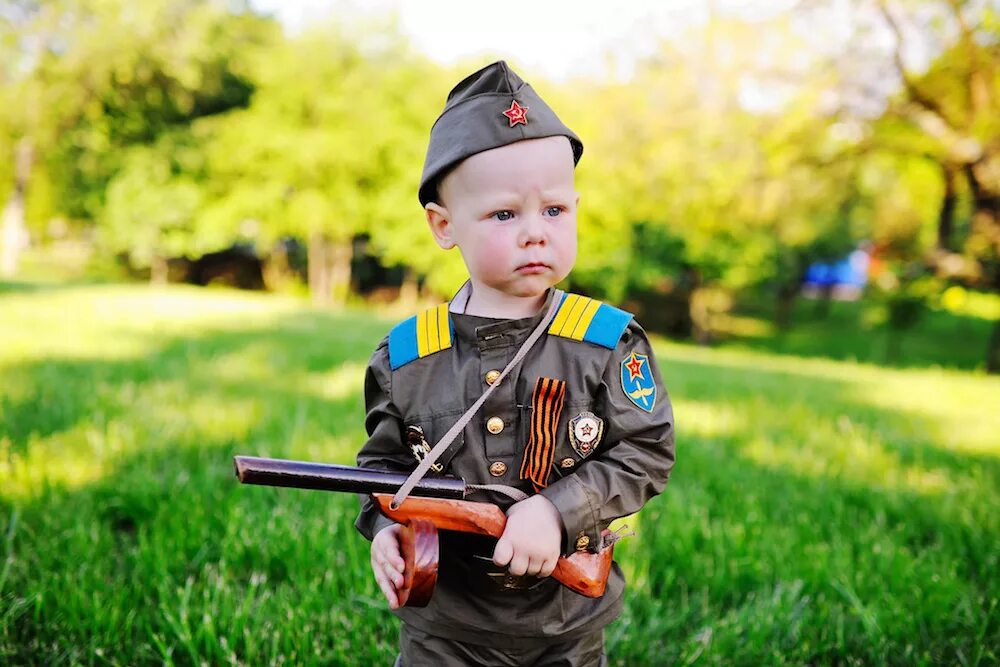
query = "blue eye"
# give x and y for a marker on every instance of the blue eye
(553, 211)
(503, 216)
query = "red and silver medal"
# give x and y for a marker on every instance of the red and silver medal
(585, 431)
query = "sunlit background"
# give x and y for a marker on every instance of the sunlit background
(209, 219)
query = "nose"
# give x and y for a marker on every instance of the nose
(532, 231)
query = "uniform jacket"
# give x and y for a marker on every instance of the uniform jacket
(427, 373)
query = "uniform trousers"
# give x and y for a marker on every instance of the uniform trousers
(419, 649)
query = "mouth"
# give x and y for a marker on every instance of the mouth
(533, 267)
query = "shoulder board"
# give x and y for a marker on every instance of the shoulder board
(419, 336)
(589, 320)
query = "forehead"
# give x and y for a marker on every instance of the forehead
(534, 163)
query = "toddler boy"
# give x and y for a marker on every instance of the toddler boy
(582, 423)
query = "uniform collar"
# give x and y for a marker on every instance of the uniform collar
(491, 330)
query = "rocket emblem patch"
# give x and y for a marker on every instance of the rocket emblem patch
(637, 381)
(585, 431)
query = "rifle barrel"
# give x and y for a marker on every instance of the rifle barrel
(331, 477)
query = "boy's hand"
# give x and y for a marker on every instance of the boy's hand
(531, 539)
(387, 563)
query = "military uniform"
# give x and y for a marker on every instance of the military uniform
(612, 386)
(584, 419)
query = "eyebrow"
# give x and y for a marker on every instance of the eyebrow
(548, 195)
(503, 200)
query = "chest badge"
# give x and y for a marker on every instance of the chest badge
(637, 381)
(419, 446)
(585, 431)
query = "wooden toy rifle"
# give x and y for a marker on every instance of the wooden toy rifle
(436, 504)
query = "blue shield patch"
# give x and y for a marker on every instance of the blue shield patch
(637, 381)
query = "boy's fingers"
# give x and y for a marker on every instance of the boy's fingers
(396, 562)
(536, 567)
(518, 565)
(502, 553)
(388, 590)
(548, 567)
(389, 573)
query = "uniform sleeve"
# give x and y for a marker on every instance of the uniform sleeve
(634, 459)
(384, 448)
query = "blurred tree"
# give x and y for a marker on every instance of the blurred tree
(152, 204)
(702, 188)
(330, 148)
(82, 82)
(917, 82)
(955, 105)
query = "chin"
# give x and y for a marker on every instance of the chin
(535, 289)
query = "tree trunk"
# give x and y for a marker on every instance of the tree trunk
(986, 228)
(707, 304)
(319, 278)
(13, 230)
(893, 346)
(993, 351)
(276, 271)
(329, 270)
(946, 216)
(408, 291)
(784, 306)
(158, 270)
(339, 265)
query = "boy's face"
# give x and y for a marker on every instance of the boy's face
(512, 213)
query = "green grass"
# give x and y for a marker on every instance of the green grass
(821, 512)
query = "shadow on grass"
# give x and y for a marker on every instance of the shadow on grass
(18, 287)
(940, 338)
(165, 557)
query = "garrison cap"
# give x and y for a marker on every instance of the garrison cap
(488, 109)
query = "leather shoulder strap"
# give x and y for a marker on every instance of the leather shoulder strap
(453, 432)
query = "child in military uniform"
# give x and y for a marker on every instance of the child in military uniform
(581, 423)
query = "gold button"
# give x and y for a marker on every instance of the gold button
(582, 542)
(567, 463)
(492, 376)
(494, 425)
(498, 468)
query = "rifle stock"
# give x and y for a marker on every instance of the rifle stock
(583, 572)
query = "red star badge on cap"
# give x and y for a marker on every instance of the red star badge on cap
(516, 114)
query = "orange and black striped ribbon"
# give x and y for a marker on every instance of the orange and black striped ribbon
(547, 405)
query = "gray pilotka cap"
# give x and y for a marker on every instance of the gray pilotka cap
(488, 109)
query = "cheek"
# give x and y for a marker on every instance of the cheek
(567, 240)
(493, 252)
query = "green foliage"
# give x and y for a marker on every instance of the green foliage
(701, 168)
(92, 80)
(332, 143)
(820, 512)
(151, 209)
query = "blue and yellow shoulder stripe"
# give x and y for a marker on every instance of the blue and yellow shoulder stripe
(578, 318)
(585, 319)
(419, 336)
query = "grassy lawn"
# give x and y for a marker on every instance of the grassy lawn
(821, 511)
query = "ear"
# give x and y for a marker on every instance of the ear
(439, 220)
